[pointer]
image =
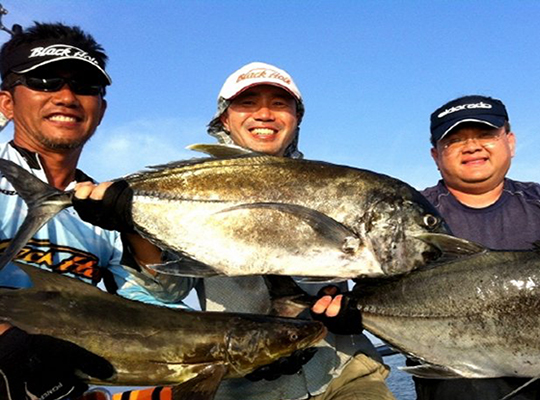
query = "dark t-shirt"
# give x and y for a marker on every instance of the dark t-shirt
(512, 223)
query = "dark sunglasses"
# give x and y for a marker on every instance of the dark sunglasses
(55, 84)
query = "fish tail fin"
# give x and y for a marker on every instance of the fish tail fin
(43, 201)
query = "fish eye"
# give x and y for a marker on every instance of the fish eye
(431, 221)
(294, 337)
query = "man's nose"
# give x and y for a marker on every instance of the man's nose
(65, 96)
(264, 113)
(471, 143)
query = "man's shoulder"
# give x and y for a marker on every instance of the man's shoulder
(530, 191)
(434, 193)
(7, 151)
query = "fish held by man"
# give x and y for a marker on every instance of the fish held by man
(472, 317)
(251, 214)
(150, 345)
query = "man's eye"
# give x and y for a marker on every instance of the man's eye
(454, 141)
(487, 135)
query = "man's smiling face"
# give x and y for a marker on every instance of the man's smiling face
(262, 118)
(56, 120)
(474, 158)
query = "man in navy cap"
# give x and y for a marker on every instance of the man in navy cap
(473, 146)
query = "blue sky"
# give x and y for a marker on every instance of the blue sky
(371, 72)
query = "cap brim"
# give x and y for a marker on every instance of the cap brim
(276, 84)
(493, 121)
(54, 60)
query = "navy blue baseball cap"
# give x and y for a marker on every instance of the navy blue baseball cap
(480, 109)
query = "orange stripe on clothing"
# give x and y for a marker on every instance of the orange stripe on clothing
(157, 393)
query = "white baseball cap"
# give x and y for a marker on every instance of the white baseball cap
(258, 73)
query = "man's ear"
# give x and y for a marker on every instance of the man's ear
(511, 143)
(103, 108)
(6, 104)
(435, 156)
(224, 118)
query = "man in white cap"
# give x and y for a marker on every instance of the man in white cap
(260, 108)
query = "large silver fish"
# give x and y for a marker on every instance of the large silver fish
(256, 214)
(150, 345)
(474, 317)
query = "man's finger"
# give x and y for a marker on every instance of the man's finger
(321, 305)
(99, 191)
(334, 307)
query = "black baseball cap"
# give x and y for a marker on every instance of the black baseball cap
(28, 57)
(480, 109)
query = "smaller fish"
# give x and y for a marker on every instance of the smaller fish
(150, 345)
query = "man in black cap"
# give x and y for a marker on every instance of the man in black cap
(473, 146)
(53, 88)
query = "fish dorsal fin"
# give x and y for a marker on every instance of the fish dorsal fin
(431, 371)
(218, 150)
(201, 387)
(49, 280)
(451, 246)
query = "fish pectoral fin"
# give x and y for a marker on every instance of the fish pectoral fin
(287, 298)
(43, 279)
(185, 266)
(327, 227)
(201, 387)
(217, 150)
(451, 246)
(431, 371)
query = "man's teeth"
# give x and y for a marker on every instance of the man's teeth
(262, 131)
(62, 118)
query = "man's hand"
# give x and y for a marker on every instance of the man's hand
(107, 205)
(337, 312)
(44, 367)
(284, 366)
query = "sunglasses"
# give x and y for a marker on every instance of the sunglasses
(55, 84)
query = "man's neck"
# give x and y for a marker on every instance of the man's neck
(478, 200)
(59, 167)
